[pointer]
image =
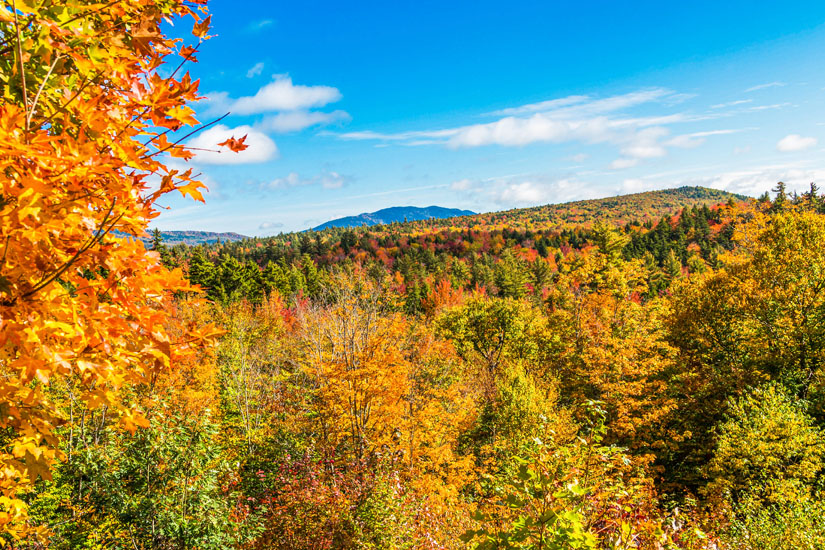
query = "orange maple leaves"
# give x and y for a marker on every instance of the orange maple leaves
(236, 145)
(80, 307)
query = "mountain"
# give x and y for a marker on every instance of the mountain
(395, 214)
(193, 238)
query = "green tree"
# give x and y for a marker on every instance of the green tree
(767, 449)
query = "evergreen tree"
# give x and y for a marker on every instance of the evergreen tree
(158, 246)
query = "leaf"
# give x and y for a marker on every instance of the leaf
(193, 190)
(236, 145)
(200, 29)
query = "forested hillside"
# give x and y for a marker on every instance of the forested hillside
(670, 230)
(640, 372)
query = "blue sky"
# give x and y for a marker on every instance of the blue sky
(487, 106)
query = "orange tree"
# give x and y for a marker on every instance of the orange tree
(85, 122)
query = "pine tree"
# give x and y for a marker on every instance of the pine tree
(162, 249)
(781, 198)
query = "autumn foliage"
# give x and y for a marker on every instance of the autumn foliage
(85, 117)
(638, 372)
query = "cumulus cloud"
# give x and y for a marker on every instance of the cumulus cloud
(256, 69)
(795, 142)
(270, 225)
(326, 180)
(279, 95)
(207, 151)
(293, 121)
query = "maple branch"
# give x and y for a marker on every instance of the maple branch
(75, 96)
(96, 238)
(22, 67)
(92, 12)
(187, 136)
(186, 58)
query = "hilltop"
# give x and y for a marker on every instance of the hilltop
(618, 210)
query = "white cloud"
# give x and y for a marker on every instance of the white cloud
(548, 105)
(766, 107)
(526, 192)
(580, 157)
(622, 163)
(644, 144)
(270, 225)
(690, 141)
(752, 182)
(293, 121)
(513, 131)
(569, 119)
(279, 95)
(260, 25)
(256, 69)
(332, 180)
(766, 85)
(577, 106)
(260, 148)
(685, 141)
(635, 185)
(368, 135)
(327, 180)
(795, 142)
(522, 191)
(731, 103)
(462, 185)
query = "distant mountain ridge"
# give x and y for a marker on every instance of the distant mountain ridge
(395, 214)
(192, 238)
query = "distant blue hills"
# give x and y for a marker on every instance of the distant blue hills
(190, 238)
(395, 214)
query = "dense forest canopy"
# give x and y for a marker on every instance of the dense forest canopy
(634, 372)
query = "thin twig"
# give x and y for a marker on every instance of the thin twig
(40, 90)
(22, 67)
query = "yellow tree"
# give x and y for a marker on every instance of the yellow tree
(353, 354)
(85, 120)
(614, 348)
